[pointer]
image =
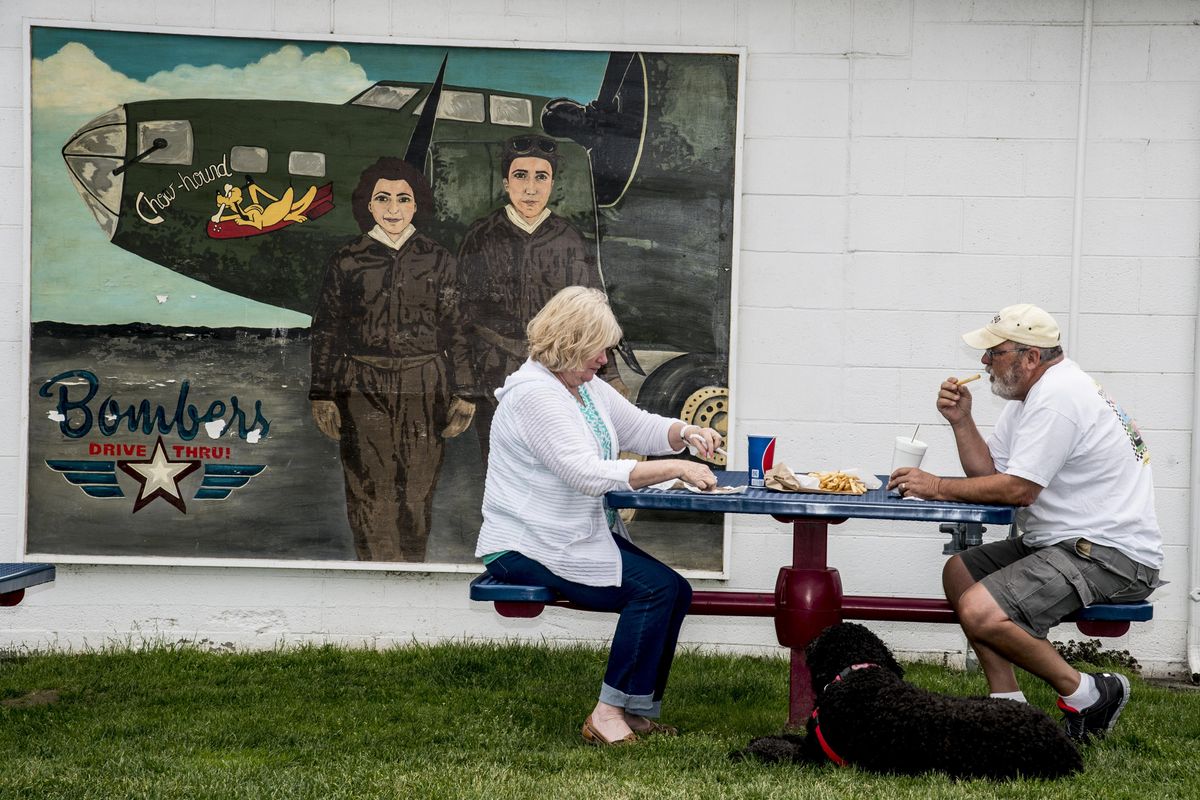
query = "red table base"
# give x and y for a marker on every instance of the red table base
(807, 599)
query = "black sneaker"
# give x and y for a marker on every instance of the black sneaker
(1100, 717)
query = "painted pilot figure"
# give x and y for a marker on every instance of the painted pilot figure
(513, 261)
(390, 363)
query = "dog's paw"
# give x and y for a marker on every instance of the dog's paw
(771, 749)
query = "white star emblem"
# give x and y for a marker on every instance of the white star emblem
(159, 473)
(159, 477)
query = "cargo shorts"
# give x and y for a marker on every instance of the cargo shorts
(1038, 586)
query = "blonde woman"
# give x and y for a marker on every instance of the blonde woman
(555, 443)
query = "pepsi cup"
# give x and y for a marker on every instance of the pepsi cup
(762, 457)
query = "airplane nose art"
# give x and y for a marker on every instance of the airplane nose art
(93, 154)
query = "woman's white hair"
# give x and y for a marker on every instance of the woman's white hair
(573, 326)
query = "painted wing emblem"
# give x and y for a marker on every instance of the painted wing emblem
(221, 479)
(95, 478)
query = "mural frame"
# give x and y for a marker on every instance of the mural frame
(147, 458)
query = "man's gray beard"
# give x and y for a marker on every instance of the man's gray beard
(1004, 384)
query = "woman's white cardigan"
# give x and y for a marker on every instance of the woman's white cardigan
(546, 479)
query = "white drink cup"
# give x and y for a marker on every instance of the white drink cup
(908, 452)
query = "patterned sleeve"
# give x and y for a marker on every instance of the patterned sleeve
(552, 431)
(638, 431)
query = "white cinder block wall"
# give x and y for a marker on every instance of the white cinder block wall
(909, 167)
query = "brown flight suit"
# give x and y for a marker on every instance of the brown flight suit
(507, 276)
(389, 347)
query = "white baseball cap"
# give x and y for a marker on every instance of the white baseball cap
(1023, 323)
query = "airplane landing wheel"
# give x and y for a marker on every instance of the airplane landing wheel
(708, 407)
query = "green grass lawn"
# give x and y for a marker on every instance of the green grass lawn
(476, 720)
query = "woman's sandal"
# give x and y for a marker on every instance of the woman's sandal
(658, 729)
(592, 735)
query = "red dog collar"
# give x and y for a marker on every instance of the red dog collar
(829, 751)
(834, 757)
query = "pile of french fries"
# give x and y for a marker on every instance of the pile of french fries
(838, 481)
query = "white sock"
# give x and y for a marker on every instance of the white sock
(1085, 695)
(1018, 695)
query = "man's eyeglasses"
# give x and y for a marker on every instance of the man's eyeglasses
(992, 352)
(523, 145)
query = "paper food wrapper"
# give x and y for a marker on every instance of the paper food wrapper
(780, 478)
(714, 490)
(675, 483)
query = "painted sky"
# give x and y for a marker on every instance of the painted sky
(80, 277)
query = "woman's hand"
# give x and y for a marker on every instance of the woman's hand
(329, 421)
(648, 473)
(458, 417)
(698, 475)
(705, 440)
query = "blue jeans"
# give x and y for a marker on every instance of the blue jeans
(652, 601)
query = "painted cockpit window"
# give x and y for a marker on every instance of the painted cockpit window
(393, 97)
(458, 106)
(100, 189)
(93, 155)
(511, 110)
(178, 136)
(248, 159)
(301, 162)
(116, 115)
(107, 140)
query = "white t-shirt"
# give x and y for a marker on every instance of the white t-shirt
(1087, 454)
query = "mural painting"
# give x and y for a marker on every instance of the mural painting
(273, 283)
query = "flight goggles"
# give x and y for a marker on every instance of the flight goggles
(525, 145)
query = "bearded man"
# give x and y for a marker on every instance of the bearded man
(1074, 461)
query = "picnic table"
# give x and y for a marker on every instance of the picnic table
(808, 593)
(16, 578)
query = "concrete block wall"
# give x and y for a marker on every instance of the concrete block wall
(909, 167)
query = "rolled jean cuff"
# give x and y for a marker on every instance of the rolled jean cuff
(644, 705)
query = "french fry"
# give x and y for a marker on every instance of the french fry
(974, 377)
(837, 481)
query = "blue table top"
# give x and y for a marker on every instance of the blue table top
(875, 504)
(24, 575)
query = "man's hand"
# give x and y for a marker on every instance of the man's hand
(329, 420)
(458, 417)
(912, 482)
(954, 401)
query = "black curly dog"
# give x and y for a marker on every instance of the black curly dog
(866, 715)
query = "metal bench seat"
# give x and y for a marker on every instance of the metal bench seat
(1111, 619)
(516, 600)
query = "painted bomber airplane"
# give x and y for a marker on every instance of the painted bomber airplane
(251, 196)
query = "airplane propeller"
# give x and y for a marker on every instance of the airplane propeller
(422, 135)
(612, 127)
